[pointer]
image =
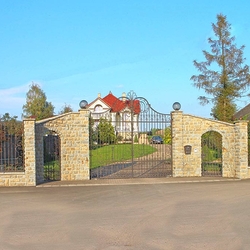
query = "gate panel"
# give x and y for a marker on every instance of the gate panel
(131, 143)
(11, 151)
(52, 167)
(211, 143)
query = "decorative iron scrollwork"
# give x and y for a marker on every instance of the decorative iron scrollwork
(19, 152)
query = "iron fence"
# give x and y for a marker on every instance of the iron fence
(11, 153)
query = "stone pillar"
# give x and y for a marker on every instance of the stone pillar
(29, 152)
(84, 158)
(177, 143)
(241, 150)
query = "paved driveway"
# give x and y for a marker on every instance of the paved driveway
(211, 215)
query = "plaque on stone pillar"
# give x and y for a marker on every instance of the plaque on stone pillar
(187, 149)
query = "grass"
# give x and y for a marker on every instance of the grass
(109, 154)
(52, 170)
(117, 153)
(211, 166)
(52, 164)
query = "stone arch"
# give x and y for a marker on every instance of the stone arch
(187, 131)
(73, 130)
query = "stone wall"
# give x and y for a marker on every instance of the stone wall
(188, 129)
(73, 131)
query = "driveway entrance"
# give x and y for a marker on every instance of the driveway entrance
(132, 143)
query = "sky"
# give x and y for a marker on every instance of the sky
(75, 49)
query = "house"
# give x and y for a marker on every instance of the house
(121, 112)
(243, 113)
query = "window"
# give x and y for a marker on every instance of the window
(98, 108)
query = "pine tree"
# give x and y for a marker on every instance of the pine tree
(223, 75)
(36, 104)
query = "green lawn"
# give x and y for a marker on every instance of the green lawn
(109, 154)
(117, 153)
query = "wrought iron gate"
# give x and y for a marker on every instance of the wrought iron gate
(11, 151)
(130, 140)
(211, 143)
(52, 168)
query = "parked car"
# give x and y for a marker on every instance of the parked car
(156, 139)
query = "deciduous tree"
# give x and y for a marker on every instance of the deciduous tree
(37, 105)
(223, 76)
(106, 132)
(65, 109)
(10, 124)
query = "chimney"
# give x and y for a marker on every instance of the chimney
(123, 96)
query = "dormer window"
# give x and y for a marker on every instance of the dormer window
(98, 108)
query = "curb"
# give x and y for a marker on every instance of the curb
(119, 182)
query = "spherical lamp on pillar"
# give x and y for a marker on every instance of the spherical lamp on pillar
(176, 106)
(83, 104)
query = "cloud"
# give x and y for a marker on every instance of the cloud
(120, 86)
(12, 99)
(13, 91)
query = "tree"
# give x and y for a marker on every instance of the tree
(93, 134)
(106, 132)
(65, 109)
(10, 125)
(167, 135)
(229, 79)
(36, 104)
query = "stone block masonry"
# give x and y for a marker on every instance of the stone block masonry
(188, 129)
(26, 178)
(73, 131)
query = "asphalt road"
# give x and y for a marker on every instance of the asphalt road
(209, 215)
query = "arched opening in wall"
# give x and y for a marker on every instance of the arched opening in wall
(51, 151)
(211, 150)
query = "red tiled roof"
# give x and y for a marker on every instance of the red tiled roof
(118, 105)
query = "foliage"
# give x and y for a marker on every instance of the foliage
(10, 125)
(167, 135)
(155, 130)
(212, 167)
(52, 170)
(37, 105)
(93, 134)
(65, 109)
(119, 138)
(223, 75)
(136, 140)
(117, 153)
(211, 146)
(105, 132)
